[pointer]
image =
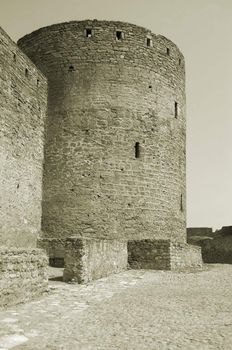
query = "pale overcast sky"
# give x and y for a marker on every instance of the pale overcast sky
(202, 29)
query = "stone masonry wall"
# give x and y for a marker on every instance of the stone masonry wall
(184, 256)
(106, 95)
(149, 254)
(23, 275)
(23, 95)
(90, 259)
(163, 255)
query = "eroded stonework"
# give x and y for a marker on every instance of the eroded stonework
(23, 100)
(90, 259)
(23, 275)
(107, 164)
(111, 90)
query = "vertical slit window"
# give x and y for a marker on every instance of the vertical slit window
(88, 33)
(71, 68)
(119, 35)
(148, 42)
(176, 109)
(137, 150)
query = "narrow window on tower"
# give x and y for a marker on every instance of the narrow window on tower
(181, 203)
(26, 72)
(176, 109)
(148, 42)
(88, 33)
(71, 68)
(137, 150)
(168, 51)
(119, 35)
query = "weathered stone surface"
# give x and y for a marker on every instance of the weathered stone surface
(90, 259)
(23, 96)
(105, 95)
(185, 256)
(149, 254)
(114, 165)
(23, 274)
(163, 255)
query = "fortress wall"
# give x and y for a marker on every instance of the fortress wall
(22, 112)
(104, 96)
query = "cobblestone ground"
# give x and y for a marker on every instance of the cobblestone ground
(131, 310)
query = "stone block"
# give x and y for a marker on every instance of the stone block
(90, 259)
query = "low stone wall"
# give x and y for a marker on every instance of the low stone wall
(23, 275)
(90, 259)
(163, 255)
(55, 249)
(184, 256)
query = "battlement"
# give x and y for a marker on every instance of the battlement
(96, 33)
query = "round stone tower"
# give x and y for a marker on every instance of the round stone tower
(115, 135)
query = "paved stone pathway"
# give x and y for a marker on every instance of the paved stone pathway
(132, 310)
